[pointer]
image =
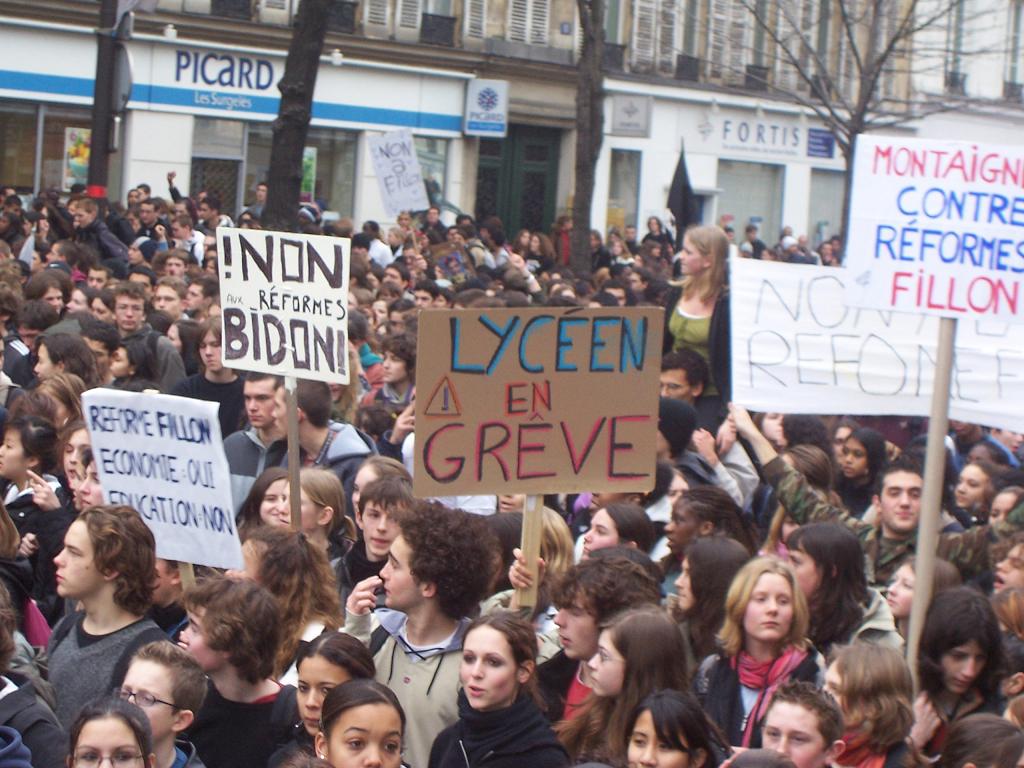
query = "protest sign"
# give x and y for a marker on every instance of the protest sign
(398, 172)
(284, 299)
(163, 456)
(937, 227)
(536, 400)
(798, 348)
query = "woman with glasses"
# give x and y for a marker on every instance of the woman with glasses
(638, 652)
(113, 733)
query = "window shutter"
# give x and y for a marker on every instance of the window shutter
(642, 48)
(409, 14)
(475, 19)
(518, 20)
(376, 12)
(718, 22)
(540, 14)
(668, 27)
(737, 42)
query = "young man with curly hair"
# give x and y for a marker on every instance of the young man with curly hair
(107, 565)
(233, 632)
(589, 594)
(438, 570)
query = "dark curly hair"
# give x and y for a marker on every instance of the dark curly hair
(453, 550)
(241, 618)
(956, 617)
(604, 586)
(122, 543)
(801, 429)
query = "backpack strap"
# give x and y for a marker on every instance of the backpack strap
(377, 640)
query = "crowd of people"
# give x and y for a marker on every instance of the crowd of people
(751, 609)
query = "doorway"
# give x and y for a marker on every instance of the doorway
(517, 178)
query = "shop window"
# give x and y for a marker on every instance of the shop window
(18, 143)
(826, 207)
(752, 193)
(433, 157)
(62, 131)
(332, 152)
(623, 189)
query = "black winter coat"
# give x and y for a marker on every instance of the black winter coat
(513, 737)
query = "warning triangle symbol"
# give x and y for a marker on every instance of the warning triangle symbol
(444, 401)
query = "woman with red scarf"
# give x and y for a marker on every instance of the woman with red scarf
(872, 686)
(763, 644)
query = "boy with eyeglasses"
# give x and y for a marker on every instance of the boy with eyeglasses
(169, 686)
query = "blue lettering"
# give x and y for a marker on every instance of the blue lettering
(455, 326)
(597, 343)
(635, 343)
(884, 236)
(245, 73)
(504, 334)
(227, 73)
(181, 61)
(202, 68)
(565, 342)
(264, 74)
(529, 328)
(899, 201)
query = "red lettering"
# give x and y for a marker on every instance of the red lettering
(525, 448)
(428, 462)
(578, 461)
(482, 449)
(616, 447)
(512, 400)
(542, 395)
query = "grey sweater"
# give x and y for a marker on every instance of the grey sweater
(84, 667)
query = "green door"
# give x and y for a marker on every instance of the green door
(517, 177)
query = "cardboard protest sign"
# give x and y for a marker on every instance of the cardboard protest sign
(536, 400)
(398, 172)
(798, 348)
(284, 299)
(164, 457)
(937, 227)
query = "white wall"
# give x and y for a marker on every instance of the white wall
(156, 143)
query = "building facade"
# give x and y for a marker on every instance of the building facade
(699, 75)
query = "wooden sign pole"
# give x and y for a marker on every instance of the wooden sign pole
(931, 503)
(294, 462)
(530, 544)
(188, 575)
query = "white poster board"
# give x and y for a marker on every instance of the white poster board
(164, 456)
(284, 299)
(399, 175)
(798, 348)
(937, 227)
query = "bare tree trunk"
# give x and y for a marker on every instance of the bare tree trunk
(589, 127)
(292, 124)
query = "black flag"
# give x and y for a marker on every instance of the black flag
(681, 200)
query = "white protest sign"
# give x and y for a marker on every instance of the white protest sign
(798, 348)
(398, 172)
(163, 456)
(937, 227)
(284, 300)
